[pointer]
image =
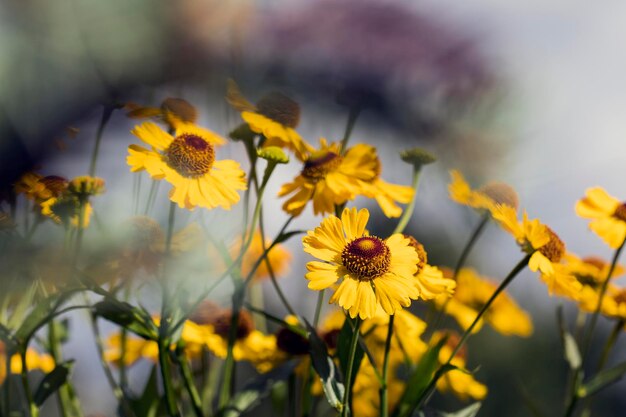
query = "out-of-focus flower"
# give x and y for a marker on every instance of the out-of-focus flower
(39, 188)
(187, 161)
(85, 186)
(251, 345)
(173, 112)
(361, 262)
(472, 293)
(72, 206)
(329, 178)
(483, 199)
(545, 248)
(275, 116)
(458, 381)
(429, 280)
(278, 258)
(34, 361)
(387, 194)
(143, 247)
(607, 214)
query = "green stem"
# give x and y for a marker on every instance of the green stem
(164, 325)
(596, 313)
(460, 264)
(384, 405)
(318, 308)
(154, 191)
(55, 352)
(345, 409)
(196, 402)
(408, 212)
(352, 116)
(34, 410)
(617, 330)
(505, 283)
(106, 115)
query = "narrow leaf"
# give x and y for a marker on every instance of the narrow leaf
(127, 316)
(326, 369)
(470, 411)
(52, 382)
(602, 380)
(570, 347)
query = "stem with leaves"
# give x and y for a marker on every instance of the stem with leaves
(345, 409)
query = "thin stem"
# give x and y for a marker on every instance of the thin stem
(384, 406)
(509, 278)
(318, 308)
(617, 330)
(196, 402)
(345, 410)
(596, 313)
(164, 338)
(461, 263)
(34, 410)
(106, 115)
(352, 116)
(408, 212)
(154, 190)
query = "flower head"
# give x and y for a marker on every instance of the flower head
(607, 214)
(429, 280)
(387, 194)
(472, 293)
(544, 246)
(329, 178)
(373, 271)
(173, 112)
(187, 161)
(275, 116)
(278, 258)
(71, 206)
(484, 198)
(39, 188)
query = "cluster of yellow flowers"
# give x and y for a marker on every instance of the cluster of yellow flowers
(372, 279)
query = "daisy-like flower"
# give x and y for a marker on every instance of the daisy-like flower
(187, 161)
(607, 214)
(275, 116)
(459, 382)
(429, 279)
(173, 112)
(484, 198)
(387, 194)
(39, 188)
(251, 345)
(34, 360)
(278, 257)
(545, 248)
(472, 293)
(372, 271)
(591, 273)
(71, 206)
(329, 178)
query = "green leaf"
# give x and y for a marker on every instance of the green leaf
(602, 380)
(40, 315)
(419, 380)
(343, 350)
(52, 382)
(570, 347)
(18, 314)
(148, 403)
(252, 394)
(286, 236)
(326, 369)
(127, 316)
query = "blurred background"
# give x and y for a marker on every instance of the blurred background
(531, 93)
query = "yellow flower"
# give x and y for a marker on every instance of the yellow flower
(373, 271)
(34, 361)
(85, 186)
(173, 112)
(278, 257)
(39, 188)
(387, 194)
(275, 116)
(459, 382)
(591, 273)
(472, 292)
(430, 280)
(251, 345)
(545, 248)
(607, 214)
(365, 393)
(66, 209)
(484, 198)
(329, 178)
(187, 161)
